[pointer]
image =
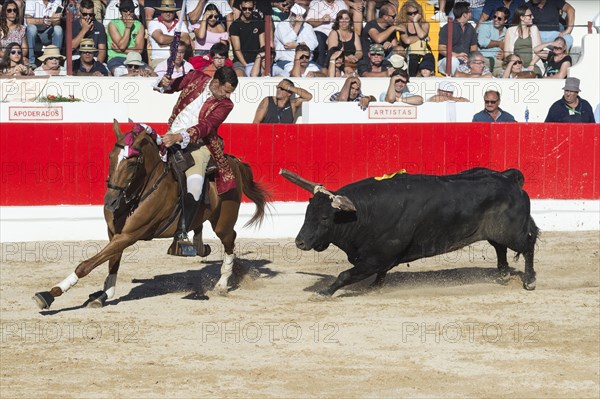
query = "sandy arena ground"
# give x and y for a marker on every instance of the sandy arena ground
(439, 328)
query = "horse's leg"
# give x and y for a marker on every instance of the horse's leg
(113, 249)
(98, 299)
(202, 249)
(224, 229)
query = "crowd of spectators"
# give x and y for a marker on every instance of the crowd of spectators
(319, 38)
(340, 34)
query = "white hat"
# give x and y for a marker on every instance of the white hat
(446, 86)
(398, 62)
(133, 58)
(298, 9)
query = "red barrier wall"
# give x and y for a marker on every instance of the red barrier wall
(50, 164)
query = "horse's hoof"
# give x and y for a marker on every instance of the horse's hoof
(221, 290)
(529, 286)
(96, 300)
(205, 251)
(43, 299)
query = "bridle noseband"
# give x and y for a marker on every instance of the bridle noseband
(123, 189)
(136, 193)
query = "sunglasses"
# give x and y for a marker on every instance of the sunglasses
(491, 101)
(392, 16)
(304, 57)
(410, 14)
(88, 14)
(127, 10)
(11, 10)
(87, 52)
(558, 48)
(518, 62)
(13, 52)
(528, 15)
(52, 58)
(247, 8)
(133, 67)
(497, 18)
(211, 16)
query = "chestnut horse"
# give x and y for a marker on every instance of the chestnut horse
(142, 203)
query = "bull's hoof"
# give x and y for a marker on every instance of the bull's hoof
(43, 299)
(96, 300)
(529, 286)
(319, 297)
(504, 278)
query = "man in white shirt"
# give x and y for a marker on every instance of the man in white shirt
(161, 31)
(292, 32)
(180, 68)
(321, 16)
(43, 24)
(302, 67)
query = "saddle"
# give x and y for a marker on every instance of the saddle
(181, 160)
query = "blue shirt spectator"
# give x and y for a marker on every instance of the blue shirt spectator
(484, 116)
(491, 5)
(492, 111)
(490, 35)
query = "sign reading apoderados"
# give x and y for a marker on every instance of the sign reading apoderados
(392, 112)
(35, 113)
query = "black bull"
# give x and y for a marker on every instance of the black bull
(382, 223)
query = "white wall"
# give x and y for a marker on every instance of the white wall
(76, 223)
(136, 98)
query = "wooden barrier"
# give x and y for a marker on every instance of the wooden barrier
(54, 164)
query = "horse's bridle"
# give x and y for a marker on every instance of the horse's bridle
(135, 194)
(123, 189)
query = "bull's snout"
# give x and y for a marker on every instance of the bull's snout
(300, 244)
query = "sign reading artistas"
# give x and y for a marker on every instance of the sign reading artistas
(392, 112)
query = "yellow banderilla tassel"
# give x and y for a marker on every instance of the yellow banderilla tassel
(389, 176)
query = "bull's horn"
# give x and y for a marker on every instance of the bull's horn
(117, 130)
(337, 201)
(299, 181)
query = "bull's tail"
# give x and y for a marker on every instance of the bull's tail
(255, 192)
(515, 175)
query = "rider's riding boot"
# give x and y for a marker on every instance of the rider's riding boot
(181, 245)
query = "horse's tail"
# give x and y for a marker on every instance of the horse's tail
(255, 192)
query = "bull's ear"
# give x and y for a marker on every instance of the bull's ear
(299, 181)
(343, 203)
(117, 130)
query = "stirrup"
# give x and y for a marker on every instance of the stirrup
(181, 246)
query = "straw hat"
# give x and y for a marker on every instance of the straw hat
(87, 45)
(297, 9)
(398, 62)
(51, 51)
(168, 5)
